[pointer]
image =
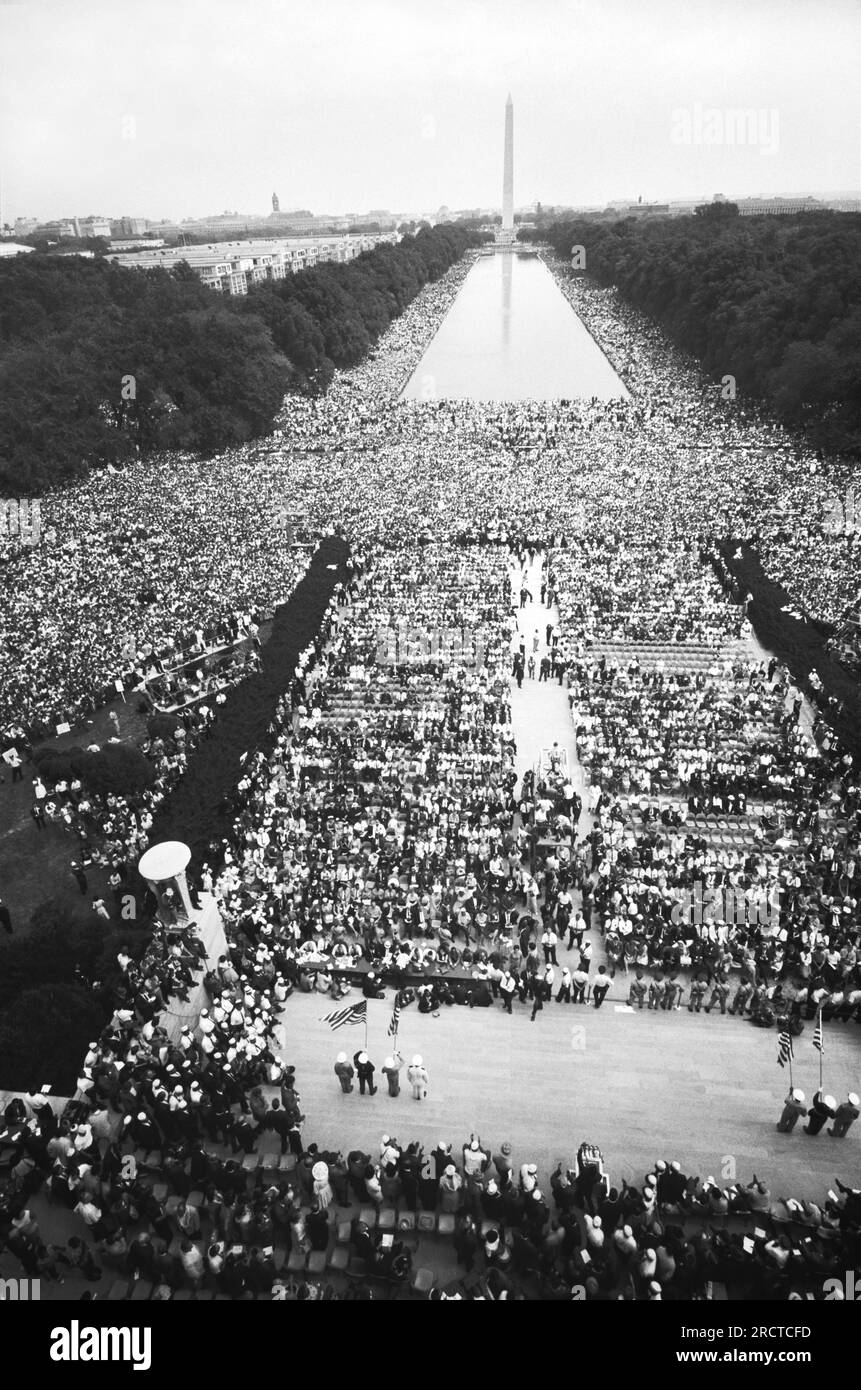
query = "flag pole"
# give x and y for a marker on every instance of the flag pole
(821, 1047)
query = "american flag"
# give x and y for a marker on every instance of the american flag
(784, 1043)
(817, 1034)
(353, 1013)
(395, 1019)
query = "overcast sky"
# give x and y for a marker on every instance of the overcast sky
(181, 108)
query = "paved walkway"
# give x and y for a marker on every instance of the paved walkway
(540, 712)
(704, 1089)
(541, 716)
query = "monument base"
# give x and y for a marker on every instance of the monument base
(184, 1013)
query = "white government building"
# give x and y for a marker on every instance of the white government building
(230, 267)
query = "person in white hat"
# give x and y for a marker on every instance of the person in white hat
(845, 1116)
(365, 1071)
(83, 1138)
(418, 1078)
(625, 1242)
(823, 1108)
(344, 1073)
(322, 1190)
(793, 1107)
(392, 1072)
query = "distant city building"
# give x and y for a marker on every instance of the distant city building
(232, 267)
(93, 226)
(135, 243)
(12, 248)
(222, 224)
(638, 209)
(24, 226)
(299, 220)
(276, 206)
(776, 207)
(67, 227)
(129, 226)
(62, 227)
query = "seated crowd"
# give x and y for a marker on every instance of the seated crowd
(166, 1212)
(383, 840)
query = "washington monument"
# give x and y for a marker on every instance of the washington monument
(508, 169)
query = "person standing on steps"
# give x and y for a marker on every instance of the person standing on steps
(697, 992)
(823, 1108)
(579, 984)
(845, 1116)
(601, 986)
(637, 992)
(576, 922)
(392, 1073)
(549, 941)
(793, 1108)
(365, 1072)
(537, 1000)
(418, 1078)
(507, 987)
(344, 1073)
(719, 995)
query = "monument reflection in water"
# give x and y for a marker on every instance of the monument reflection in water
(512, 335)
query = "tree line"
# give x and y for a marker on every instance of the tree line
(775, 302)
(102, 363)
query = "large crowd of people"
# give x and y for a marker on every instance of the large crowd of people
(387, 840)
(141, 557)
(189, 1178)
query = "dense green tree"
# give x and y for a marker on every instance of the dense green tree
(774, 301)
(716, 212)
(62, 942)
(43, 1036)
(100, 362)
(117, 767)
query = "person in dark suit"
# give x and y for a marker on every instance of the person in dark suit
(344, 1073)
(143, 1132)
(822, 1108)
(80, 877)
(365, 1072)
(793, 1108)
(279, 1122)
(845, 1116)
